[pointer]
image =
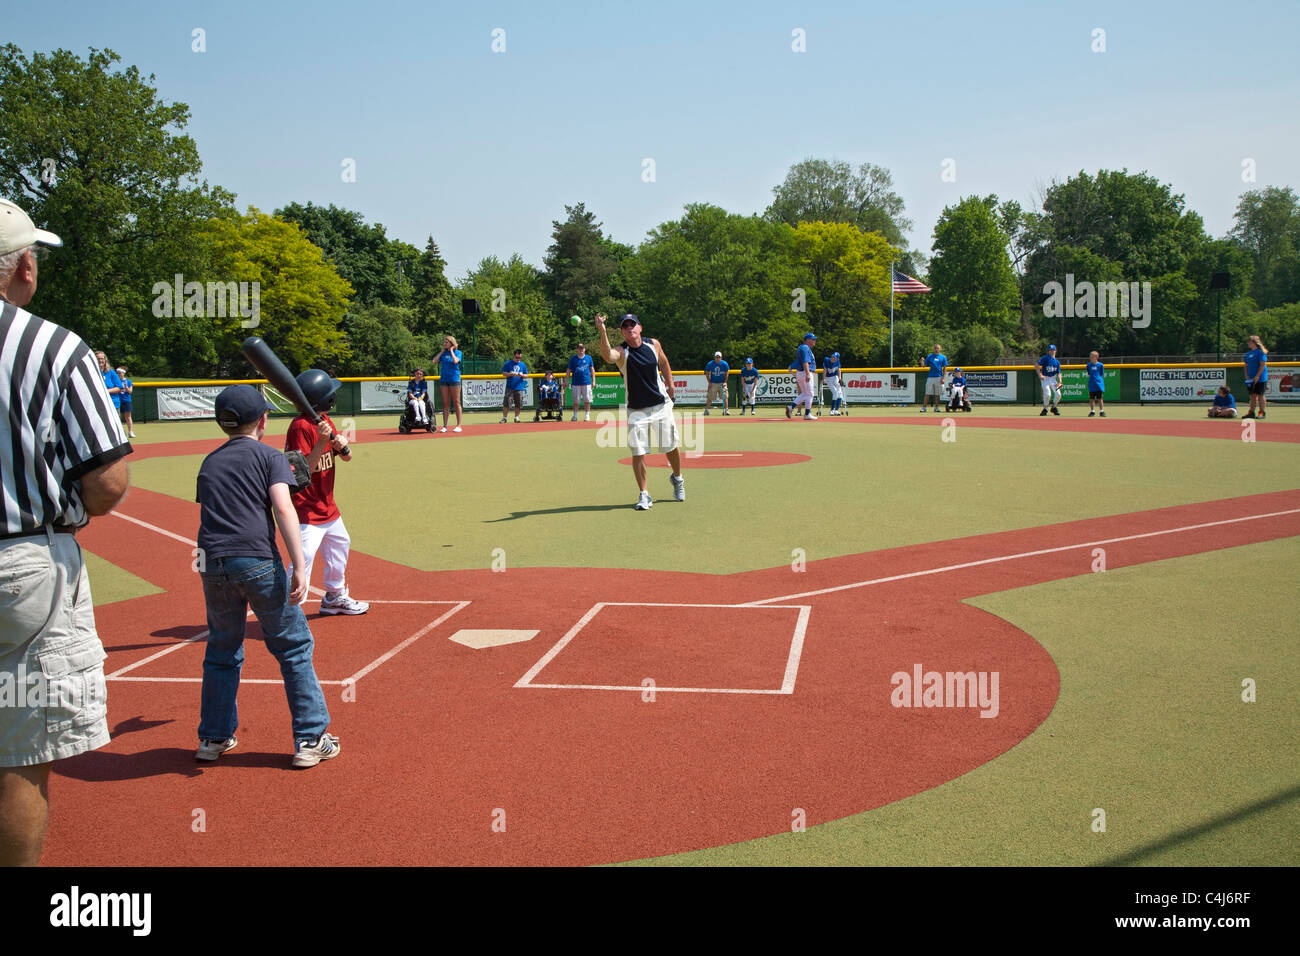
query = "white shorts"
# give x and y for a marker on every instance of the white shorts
(654, 424)
(581, 394)
(934, 386)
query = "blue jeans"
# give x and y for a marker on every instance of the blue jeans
(230, 587)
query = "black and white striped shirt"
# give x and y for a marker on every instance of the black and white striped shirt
(57, 422)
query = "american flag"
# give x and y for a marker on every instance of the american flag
(905, 283)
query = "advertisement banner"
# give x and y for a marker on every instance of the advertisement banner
(994, 386)
(488, 392)
(1074, 385)
(777, 389)
(1180, 384)
(196, 401)
(690, 389)
(607, 390)
(1283, 384)
(389, 395)
(888, 388)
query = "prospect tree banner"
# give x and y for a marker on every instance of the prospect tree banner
(991, 386)
(777, 389)
(195, 401)
(1180, 384)
(879, 388)
(1074, 385)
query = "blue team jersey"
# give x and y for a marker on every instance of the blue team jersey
(832, 367)
(449, 371)
(959, 380)
(1049, 365)
(804, 354)
(1224, 401)
(549, 389)
(418, 388)
(1096, 377)
(717, 371)
(937, 364)
(749, 374)
(514, 383)
(125, 396)
(580, 369)
(112, 381)
(1256, 364)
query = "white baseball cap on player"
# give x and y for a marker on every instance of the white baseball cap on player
(17, 231)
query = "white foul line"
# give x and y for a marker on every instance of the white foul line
(154, 527)
(460, 606)
(1014, 557)
(117, 674)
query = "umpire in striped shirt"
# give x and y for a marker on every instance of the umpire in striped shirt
(63, 460)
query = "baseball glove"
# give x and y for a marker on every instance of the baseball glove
(298, 465)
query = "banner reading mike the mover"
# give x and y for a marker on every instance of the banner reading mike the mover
(1181, 384)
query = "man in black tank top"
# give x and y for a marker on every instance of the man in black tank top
(649, 380)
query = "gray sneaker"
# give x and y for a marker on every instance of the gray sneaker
(210, 750)
(679, 487)
(643, 502)
(310, 753)
(342, 604)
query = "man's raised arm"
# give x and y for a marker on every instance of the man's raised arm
(608, 352)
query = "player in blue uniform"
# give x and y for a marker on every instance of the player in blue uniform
(748, 387)
(1256, 376)
(1049, 372)
(959, 398)
(416, 390)
(1224, 405)
(805, 374)
(834, 382)
(548, 394)
(1096, 385)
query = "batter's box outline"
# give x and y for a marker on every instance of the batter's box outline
(119, 674)
(787, 681)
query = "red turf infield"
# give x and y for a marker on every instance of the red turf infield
(440, 736)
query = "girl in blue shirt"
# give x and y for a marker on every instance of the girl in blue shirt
(1256, 376)
(449, 379)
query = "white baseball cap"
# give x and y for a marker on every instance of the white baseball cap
(18, 232)
(717, 355)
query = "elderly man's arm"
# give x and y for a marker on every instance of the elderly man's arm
(608, 352)
(104, 487)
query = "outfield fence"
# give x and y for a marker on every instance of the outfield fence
(1127, 383)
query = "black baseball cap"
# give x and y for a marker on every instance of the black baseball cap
(627, 320)
(519, 351)
(240, 404)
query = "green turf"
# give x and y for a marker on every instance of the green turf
(110, 583)
(1150, 727)
(554, 497)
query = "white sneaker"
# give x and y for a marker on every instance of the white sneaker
(342, 604)
(443, 428)
(312, 752)
(643, 502)
(456, 429)
(210, 750)
(587, 417)
(132, 434)
(810, 418)
(679, 487)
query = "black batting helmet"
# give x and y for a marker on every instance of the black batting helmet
(319, 388)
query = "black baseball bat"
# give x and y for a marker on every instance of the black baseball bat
(262, 358)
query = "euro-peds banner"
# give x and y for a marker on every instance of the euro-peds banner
(488, 392)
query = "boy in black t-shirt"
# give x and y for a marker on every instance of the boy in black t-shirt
(240, 486)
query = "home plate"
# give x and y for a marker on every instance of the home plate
(481, 639)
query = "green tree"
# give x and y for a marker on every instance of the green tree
(971, 271)
(383, 343)
(847, 274)
(580, 266)
(302, 297)
(373, 264)
(1268, 226)
(515, 314)
(95, 156)
(432, 296)
(819, 190)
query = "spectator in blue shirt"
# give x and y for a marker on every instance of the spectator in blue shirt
(1224, 405)
(937, 363)
(580, 375)
(1096, 385)
(111, 381)
(449, 360)
(717, 371)
(515, 372)
(1256, 376)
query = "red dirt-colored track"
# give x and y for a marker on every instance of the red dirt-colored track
(439, 737)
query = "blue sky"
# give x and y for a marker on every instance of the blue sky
(483, 149)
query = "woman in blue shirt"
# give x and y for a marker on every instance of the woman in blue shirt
(449, 379)
(1256, 376)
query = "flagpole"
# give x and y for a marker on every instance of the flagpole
(891, 313)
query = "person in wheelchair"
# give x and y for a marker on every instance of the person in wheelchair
(548, 392)
(958, 398)
(418, 412)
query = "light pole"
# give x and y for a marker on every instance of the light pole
(1218, 282)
